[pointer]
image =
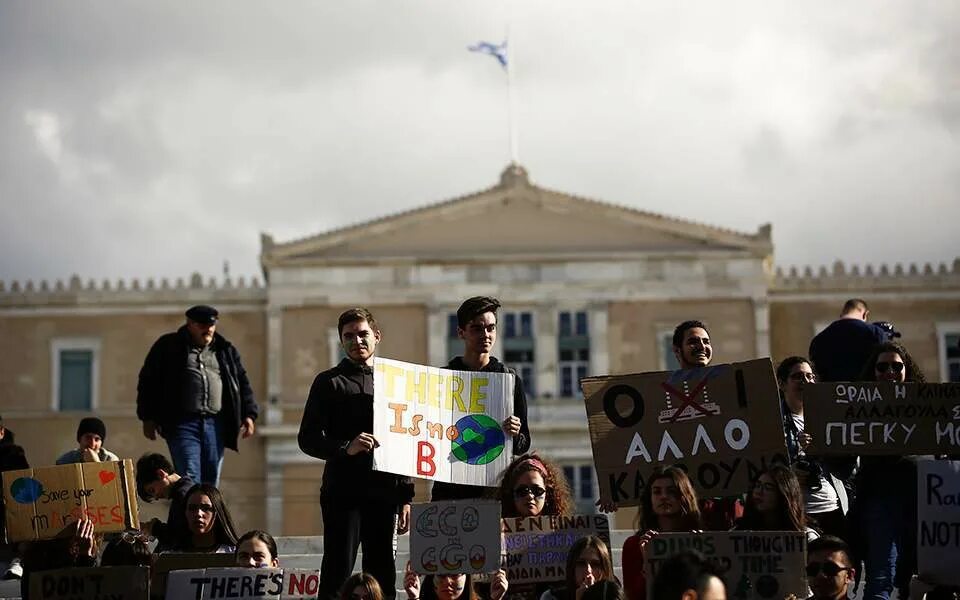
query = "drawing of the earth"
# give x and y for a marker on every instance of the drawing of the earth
(26, 490)
(480, 440)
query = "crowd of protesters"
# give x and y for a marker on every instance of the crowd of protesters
(858, 515)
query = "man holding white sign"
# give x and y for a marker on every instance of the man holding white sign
(477, 327)
(360, 505)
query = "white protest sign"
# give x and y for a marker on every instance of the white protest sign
(243, 584)
(460, 536)
(440, 424)
(938, 521)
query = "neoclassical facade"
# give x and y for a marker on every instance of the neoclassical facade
(587, 288)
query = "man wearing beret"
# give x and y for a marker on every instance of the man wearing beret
(194, 392)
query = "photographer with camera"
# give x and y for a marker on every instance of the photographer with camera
(825, 498)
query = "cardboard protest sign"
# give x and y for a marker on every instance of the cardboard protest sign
(40, 502)
(460, 536)
(441, 424)
(535, 548)
(169, 562)
(720, 423)
(876, 418)
(121, 583)
(938, 521)
(754, 565)
(243, 584)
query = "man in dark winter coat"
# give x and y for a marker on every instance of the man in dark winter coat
(194, 391)
(477, 327)
(359, 505)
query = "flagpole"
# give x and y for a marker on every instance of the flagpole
(511, 103)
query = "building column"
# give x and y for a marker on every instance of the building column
(274, 356)
(761, 320)
(597, 320)
(545, 350)
(273, 489)
(437, 335)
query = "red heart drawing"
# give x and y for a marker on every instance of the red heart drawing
(107, 476)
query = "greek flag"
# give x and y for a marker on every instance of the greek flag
(497, 51)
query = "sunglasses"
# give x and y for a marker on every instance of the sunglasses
(131, 536)
(830, 569)
(207, 508)
(527, 490)
(802, 376)
(883, 367)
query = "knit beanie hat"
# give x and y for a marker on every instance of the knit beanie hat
(92, 425)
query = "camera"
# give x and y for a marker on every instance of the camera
(887, 329)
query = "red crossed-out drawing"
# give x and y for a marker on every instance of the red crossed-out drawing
(687, 399)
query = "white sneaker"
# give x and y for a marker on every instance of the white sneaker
(14, 571)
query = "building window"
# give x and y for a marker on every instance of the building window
(949, 337)
(580, 477)
(573, 350)
(668, 360)
(519, 347)
(75, 374)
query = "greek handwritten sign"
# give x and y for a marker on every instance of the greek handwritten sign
(721, 423)
(877, 418)
(535, 548)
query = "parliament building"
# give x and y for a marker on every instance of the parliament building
(587, 288)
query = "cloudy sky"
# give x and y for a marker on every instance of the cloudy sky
(154, 139)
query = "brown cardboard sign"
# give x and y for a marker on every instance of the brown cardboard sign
(535, 548)
(720, 423)
(754, 565)
(882, 418)
(40, 502)
(122, 583)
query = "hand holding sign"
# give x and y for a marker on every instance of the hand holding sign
(364, 442)
(411, 583)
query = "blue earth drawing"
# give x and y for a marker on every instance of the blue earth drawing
(480, 440)
(26, 490)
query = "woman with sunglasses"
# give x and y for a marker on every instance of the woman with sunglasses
(588, 563)
(257, 549)
(532, 486)
(451, 587)
(886, 492)
(776, 504)
(361, 586)
(824, 497)
(668, 504)
(209, 526)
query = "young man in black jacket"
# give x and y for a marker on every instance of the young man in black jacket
(360, 505)
(194, 391)
(477, 327)
(156, 479)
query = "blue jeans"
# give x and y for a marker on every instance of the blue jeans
(196, 447)
(882, 525)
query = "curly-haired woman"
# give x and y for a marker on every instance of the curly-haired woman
(532, 486)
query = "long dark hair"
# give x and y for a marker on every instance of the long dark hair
(557, 501)
(590, 541)
(689, 504)
(913, 372)
(791, 515)
(223, 529)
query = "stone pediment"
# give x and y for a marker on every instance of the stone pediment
(513, 220)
